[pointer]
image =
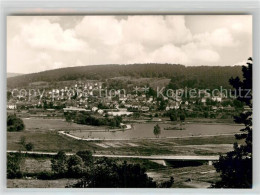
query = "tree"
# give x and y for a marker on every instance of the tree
(206, 114)
(162, 103)
(133, 176)
(59, 164)
(118, 120)
(107, 173)
(14, 123)
(102, 175)
(86, 156)
(173, 117)
(157, 130)
(136, 115)
(182, 119)
(238, 104)
(29, 146)
(9, 95)
(151, 92)
(13, 165)
(235, 167)
(69, 118)
(75, 166)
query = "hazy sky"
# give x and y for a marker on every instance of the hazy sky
(38, 43)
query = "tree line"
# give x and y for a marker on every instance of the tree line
(181, 76)
(90, 172)
(85, 118)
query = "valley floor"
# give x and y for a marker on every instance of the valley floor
(45, 137)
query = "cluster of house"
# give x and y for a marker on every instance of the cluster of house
(121, 103)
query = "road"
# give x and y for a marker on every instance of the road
(152, 157)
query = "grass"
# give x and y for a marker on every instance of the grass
(51, 141)
(35, 183)
(223, 139)
(210, 120)
(54, 124)
(46, 141)
(186, 177)
(35, 165)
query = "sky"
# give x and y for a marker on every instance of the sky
(39, 43)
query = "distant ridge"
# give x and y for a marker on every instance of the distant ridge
(204, 76)
(9, 74)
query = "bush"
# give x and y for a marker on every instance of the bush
(75, 166)
(173, 117)
(29, 147)
(157, 130)
(45, 175)
(108, 173)
(87, 119)
(86, 156)
(13, 166)
(167, 184)
(59, 164)
(14, 123)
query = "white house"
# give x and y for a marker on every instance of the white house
(203, 100)
(100, 111)
(217, 99)
(74, 109)
(144, 108)
(94, 109)
(120, 113)
(11, 106)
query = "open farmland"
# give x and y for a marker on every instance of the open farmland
(35, 183)
(43, 134)
(34, 124)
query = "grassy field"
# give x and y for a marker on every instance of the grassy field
(51, 141)
(39, 134)
(187, 177)
(36, 124)
(46, 141)
(35, 165)
(45, 137)
(35, 183)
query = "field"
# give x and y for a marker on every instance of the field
(36, 124)
(43, 133)
(35, 183)
(53, 142)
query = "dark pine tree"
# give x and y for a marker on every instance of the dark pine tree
(235, 167)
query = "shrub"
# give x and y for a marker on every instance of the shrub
(13, 166)
(45, 175)
(29, 146)
(14, 123)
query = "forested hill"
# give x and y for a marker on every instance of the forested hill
(195, 76)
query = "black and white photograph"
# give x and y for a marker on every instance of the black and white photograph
(129, 101)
